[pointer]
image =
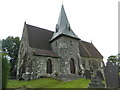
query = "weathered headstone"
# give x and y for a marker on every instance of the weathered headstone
(87, 74)
(100, 75)
(96, 82)
(111, 75)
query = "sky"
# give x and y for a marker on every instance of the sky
(94, 21)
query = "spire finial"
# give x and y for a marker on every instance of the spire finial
(25, 22)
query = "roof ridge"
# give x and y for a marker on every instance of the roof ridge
(96, 48)
(39, 27)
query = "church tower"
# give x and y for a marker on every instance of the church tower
(66, 44)
(63, 26)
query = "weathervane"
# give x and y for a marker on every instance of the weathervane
(62, 2)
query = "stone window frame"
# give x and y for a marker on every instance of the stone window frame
(71, 43)
(56, 43)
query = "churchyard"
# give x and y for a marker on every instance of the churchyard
(48, 83)
(110, 79)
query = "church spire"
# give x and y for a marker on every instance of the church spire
(63, 26)
(62, 21)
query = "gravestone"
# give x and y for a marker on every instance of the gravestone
(111, 75)
(100, 75)
(96, 82)
(87, 74)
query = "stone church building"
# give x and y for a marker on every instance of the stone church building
(44, 53)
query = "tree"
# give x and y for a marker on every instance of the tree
(10, 46)
(113, 59)
(5, 70)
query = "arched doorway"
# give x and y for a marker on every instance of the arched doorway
(49, 66)
(72, 66)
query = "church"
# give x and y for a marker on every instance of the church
(44, 53)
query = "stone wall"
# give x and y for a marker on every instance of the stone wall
(39, 65)
(33, 67)
(92, 64)
(23, 50)
(67, 48)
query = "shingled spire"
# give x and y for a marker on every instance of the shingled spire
(63, 26)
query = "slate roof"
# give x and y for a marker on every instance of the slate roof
(88, 50)
(39, 40)
(63, 26)
(39, 37)
(44, 52)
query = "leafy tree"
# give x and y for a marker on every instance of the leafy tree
(113, 59)
(5, 70)
(10, 46)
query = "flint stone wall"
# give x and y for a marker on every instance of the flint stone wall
(67, 48)
(39, 67)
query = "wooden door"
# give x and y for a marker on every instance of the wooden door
(72, 66)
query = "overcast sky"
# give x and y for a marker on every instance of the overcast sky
(91, 20)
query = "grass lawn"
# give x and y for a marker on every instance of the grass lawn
(48, 83)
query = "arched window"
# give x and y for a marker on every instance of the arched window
(49, 66)
(72, 66)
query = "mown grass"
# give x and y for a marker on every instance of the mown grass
(48, 83)
(80, 83)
